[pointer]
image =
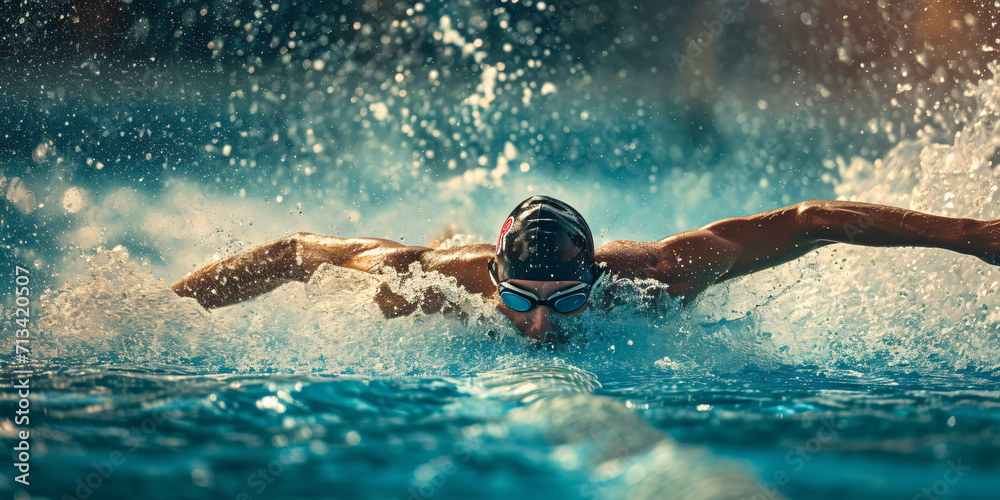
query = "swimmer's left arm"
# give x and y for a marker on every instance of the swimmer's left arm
(691, 261)
(768, 239)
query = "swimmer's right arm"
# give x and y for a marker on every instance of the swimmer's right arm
(292, 258)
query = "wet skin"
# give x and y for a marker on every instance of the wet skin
(687, 262)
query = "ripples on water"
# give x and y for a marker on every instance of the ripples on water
(539, 432)
(141, 141)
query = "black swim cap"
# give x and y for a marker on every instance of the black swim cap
(545, 239)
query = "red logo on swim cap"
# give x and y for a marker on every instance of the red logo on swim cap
(503, 233)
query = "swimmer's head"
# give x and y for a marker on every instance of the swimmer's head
(544, 267)
(545, 239)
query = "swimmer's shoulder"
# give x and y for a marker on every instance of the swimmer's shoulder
(656, 260)
(467, 263)
(475, 251)
(630, 259)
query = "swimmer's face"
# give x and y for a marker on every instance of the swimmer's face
(541, 323)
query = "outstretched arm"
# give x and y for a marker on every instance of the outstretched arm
(268, 266)
(730, 248)
(296, 257)
(775, 237)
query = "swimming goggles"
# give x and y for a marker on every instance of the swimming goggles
(563, 301)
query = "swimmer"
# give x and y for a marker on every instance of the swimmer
(545, 266)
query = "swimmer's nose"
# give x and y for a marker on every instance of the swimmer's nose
(541, 328)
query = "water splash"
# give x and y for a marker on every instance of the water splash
(378, 125)
(923, 309)
(118, 312)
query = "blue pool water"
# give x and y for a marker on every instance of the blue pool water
(162, 432)
(141, 140)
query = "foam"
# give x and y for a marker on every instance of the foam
(119, 312)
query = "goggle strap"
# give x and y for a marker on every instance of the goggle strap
(493, 272)
(601, 272)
